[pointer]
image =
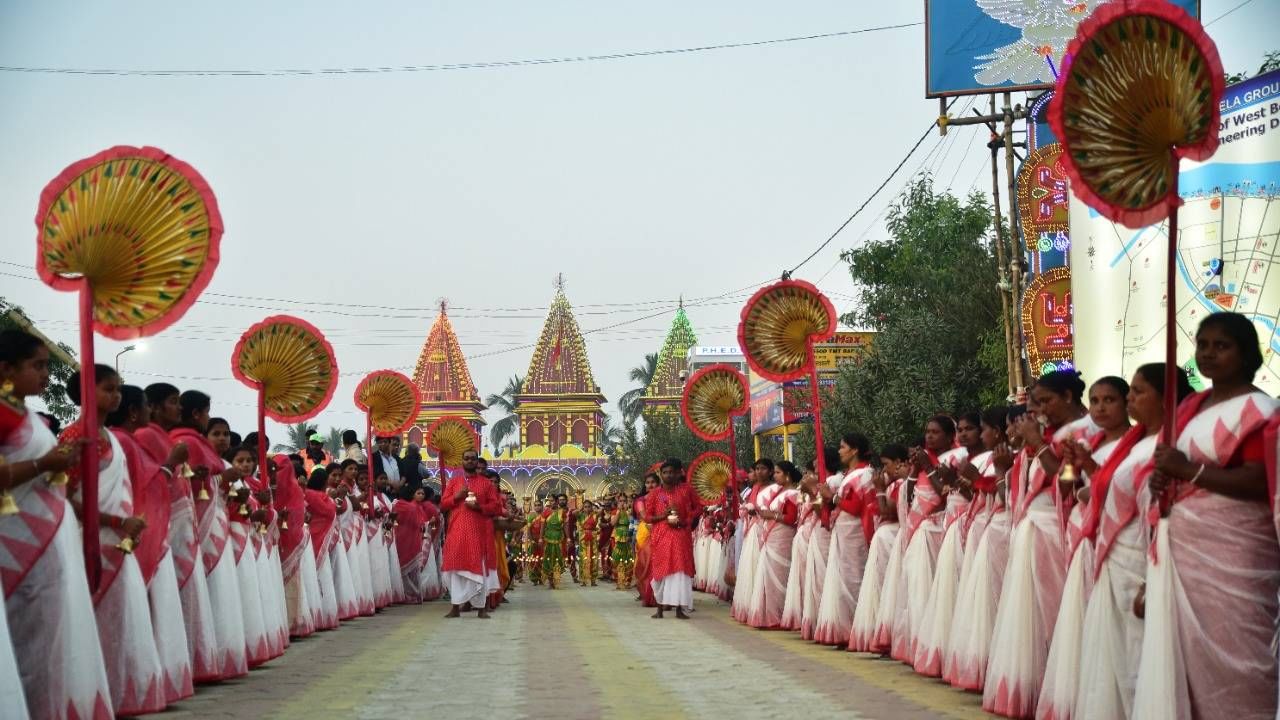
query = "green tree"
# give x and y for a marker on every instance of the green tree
(54, 397)
(609, 436)
(666, 436)
(642, 375)
(334, 442)
(930, 292)
(1270, 61)
(506, 401)
(298, 434)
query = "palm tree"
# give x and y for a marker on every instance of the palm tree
(298, 434)
(629, 403)
(506, 400)
(609, 436)
(334, 443)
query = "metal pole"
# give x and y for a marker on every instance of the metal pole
(1010, 358)
(1016, 254)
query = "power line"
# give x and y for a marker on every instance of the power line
(486, 65)
(873, 195)
(1246, 2)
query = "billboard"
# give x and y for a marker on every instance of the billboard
(1228, 242)
(974, 47)
(840, 348)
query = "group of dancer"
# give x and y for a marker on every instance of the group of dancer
(210, 565)
(1056, 556)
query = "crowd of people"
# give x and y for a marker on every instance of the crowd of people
(210, 565)
(1056, 556)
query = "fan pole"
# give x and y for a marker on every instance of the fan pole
(262, 434)
(820, 459)
(89, 453)
(732, 489)
(368, 434)
(1169, 432)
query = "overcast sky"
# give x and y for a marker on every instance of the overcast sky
(639, 179)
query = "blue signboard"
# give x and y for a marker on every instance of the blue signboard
(981, 46)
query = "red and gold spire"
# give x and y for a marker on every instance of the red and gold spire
(443, 378)
(560, 401)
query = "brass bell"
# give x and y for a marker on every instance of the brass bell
(187, 472)
(125, 545)
(262, 528)
(59, 479)
(244, 510)
(1068, 474)
(284, 524)
(204, 493)
(8, 506)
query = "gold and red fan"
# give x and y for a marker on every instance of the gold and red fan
(1138, 92)
(450, 437)
(779, 326)
(291, 365)
(390, 402)
(136, 232)
(711, 476)
(712, 398)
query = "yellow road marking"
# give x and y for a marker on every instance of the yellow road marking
(626, 682)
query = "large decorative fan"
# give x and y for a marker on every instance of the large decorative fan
(777, 331)
(135, 231)
(139, 227)
(389, 401)
(291, 365)
(450, 437)
(712, 397)
(779, 326)
(1138, 92)
(711, 474)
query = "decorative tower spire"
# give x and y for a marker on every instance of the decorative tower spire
(442, 376)
(665, 388)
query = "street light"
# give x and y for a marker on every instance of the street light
(139, 347)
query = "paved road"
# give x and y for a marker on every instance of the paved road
(571, 653)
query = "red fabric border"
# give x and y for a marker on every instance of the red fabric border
(1196, 35)
(742, 327)
(741, 409)
(329, 356)
(55, 187)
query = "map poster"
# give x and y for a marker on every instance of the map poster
(974, 47)
(1228, 251)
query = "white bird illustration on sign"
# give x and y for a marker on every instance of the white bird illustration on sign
(1046, 25)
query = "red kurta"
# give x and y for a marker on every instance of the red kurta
(468, 544)
(671, 548)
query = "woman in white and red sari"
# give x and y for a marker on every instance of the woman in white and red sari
(1111, 637)
(888, 484)
(151, 479)
(297, 559)
(410, 537)
(965, 659)
(1107, 399)
(211, 481)
(48, 607)
(322, 526)
(266, 541)
(852, 525)
(165, 412)
(1216, 572)
(1038, 554)
(778, 513)
(923, 528)
(241, 507)
(932, 645)
(344, 577)
(432, 583)
(807, 516)
(749, 554)
(352, 523)
(120, 602)
(815, 570)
